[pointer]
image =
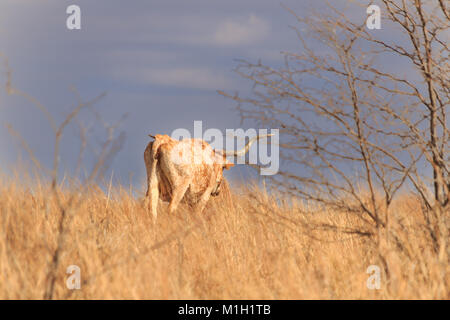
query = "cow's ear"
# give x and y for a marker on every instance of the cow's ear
(228, 165)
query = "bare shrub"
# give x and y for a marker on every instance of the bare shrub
(65, 203)
(356, 130)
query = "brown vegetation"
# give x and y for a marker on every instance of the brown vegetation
(257, 246)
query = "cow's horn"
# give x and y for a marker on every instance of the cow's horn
(247, 146)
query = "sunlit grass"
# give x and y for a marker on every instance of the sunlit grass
(246, 245)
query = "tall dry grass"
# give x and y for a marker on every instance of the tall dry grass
(246, 245)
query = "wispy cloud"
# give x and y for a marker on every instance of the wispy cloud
(185, 77)
(238, 32)
(197, 29)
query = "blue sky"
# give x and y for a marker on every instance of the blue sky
(160, 62)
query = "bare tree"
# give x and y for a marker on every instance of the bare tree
(362, 114)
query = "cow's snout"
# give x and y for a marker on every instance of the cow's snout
(216, 191)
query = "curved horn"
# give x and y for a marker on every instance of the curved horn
(246, 148)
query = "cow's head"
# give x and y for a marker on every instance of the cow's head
(221, 164)
(221, 158)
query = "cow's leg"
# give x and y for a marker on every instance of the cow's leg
(154, 195)
(178, 194)
(200, 205)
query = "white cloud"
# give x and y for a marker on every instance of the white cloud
(233, 32)
(199, 29)
(204, 28)
(145, 56)
(194, 78)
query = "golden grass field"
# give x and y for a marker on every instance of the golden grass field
(246, 245)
